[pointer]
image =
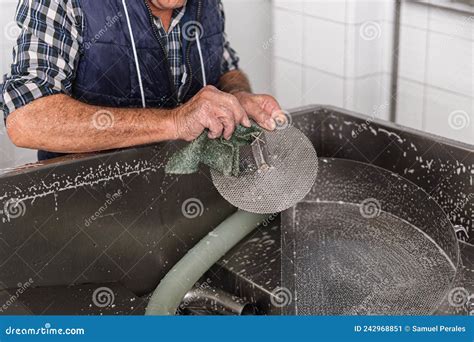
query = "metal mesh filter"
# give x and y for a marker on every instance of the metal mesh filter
(366, 242)
(276, 172)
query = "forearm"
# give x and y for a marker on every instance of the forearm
(234, 81)
(59, 123)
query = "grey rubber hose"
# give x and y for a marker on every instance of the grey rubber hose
(181, 278)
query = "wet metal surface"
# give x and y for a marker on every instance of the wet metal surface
(442, 167)
(251, 270)
(75, 229)
(104, 218)
(353, 247)
(92, 299)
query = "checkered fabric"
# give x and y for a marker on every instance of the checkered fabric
(47, 51)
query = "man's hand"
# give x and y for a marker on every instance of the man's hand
(264, 109)
(210, 109)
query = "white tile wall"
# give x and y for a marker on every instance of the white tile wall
(415, 15)
(437, 71)
(324, 45)
(288, 83)
(334, 10)
(450, 63)
(449, 114)
(249, 29)
(369, 95)
(322, 88)
(361, 11)
(388, 28)
(8, 30)
(451, 23)
(9, 154)
(343, 52)
(288, 40)
(383, 107)
(412, 56)
(363, 57)
(410, 104)
(340, 48)
(290, 5)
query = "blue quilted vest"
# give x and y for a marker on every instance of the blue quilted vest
(107, 73)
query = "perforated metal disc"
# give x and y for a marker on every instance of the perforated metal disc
(292, 173)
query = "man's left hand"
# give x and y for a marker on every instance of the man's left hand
(263, 109)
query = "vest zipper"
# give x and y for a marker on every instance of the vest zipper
(188, 51)
(170, 76)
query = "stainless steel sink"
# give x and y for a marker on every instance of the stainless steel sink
(115, 220)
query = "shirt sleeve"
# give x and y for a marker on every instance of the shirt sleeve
(46, 52)
(230, 60)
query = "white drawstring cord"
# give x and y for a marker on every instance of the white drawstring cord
(201, 59)
(135, 55)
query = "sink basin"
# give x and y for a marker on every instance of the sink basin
(115, 220)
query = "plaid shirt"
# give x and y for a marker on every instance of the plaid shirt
(173, 44)
(48, 51)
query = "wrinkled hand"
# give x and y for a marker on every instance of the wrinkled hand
(263, 109)
(210, 109)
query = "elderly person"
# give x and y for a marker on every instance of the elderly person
(94, 75)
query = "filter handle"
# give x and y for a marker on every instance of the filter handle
(260, 152)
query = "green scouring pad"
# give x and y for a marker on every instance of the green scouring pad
(219, 154)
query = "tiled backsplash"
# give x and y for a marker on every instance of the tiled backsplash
(339, 52)
(248, 28)
(436, 71)
(334, 52)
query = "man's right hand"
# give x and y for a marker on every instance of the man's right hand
(210, 109)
